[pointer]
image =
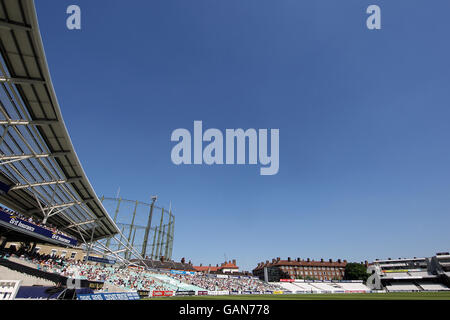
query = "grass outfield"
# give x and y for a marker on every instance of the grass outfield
(336, 296)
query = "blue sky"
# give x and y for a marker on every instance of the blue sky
(363, 118)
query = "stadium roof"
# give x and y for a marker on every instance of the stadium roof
(40, 173)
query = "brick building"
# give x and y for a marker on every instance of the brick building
(226, 267)
(301, 269)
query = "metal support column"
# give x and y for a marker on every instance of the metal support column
(127, 254)
(172, 237)
(147, 230)
(115, 220)
(152, 257)
(169, 226)
(90, 245)
(158, 243)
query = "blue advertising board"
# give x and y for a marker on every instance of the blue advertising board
(110, 296)
(101, 260)
(181, 272)
(16, 223)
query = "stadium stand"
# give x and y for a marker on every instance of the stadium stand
(402, 286)
(433, 286)
(415, 274)
(225, 282)
(300, 286)
(46, 270)
(24, 278)
(42, 181)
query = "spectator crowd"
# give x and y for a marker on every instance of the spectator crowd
(134, 278)
(213, 283)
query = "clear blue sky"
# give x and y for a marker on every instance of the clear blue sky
(363, 118)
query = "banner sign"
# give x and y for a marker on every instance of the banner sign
(202, 293)
(287, 280)
(110, 296)
(256, 292)
(278, 292)
(287, 292)
(160, 293)
(143, 293)
(185, 293)
(246, 292)
(181, 272)
(218, 293)
(101, 260)
(29, 227)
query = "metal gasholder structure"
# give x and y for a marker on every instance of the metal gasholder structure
(147, 227)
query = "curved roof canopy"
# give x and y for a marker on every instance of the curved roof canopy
(40, 173)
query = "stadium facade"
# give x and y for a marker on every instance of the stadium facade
(411, 274)
(300, 269)
(41, 176)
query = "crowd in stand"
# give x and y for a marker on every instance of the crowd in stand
(121, 277)
(225, 284)
(34, 221)
(133, 279)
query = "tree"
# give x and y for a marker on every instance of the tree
(355, 271)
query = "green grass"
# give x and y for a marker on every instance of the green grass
(337, 296)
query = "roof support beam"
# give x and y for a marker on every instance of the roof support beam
(44, 183)
(83, 223)
(27, 122)
(13, 158)
(18, 80)
(11, 26)
(61, 205)
(28, 156)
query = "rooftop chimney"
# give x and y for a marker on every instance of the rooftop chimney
(330, 260)
(298, 259)
(234, 261)
(308, 260)
(321, 260)
(289, 259)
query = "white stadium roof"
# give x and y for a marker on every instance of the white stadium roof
(39, 167)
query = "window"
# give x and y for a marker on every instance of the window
(72, 256)
(63, 254)
(53, 252)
